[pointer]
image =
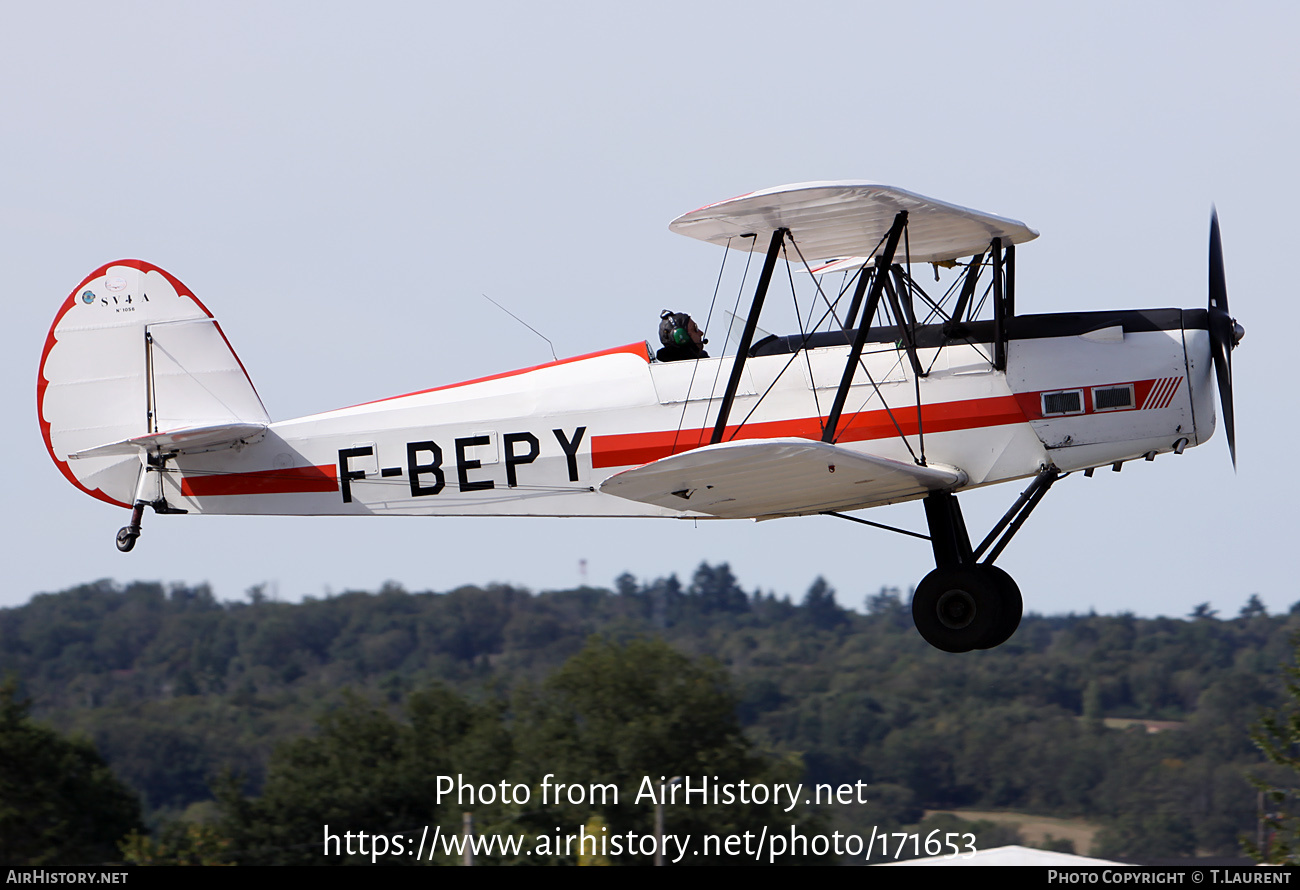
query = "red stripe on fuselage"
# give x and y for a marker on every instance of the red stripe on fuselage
(632, 449)
(1147, 394)
(292, 480)
(638, 349)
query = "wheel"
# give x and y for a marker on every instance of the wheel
(957, 610)
(1012, 607)
(126, 536)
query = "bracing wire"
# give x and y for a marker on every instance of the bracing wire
(916, 378)
(845, 424)
(695, 366)
(805, 334)
(817, 282)
(717, 372)
(861, 363)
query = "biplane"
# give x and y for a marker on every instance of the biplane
(886, 394)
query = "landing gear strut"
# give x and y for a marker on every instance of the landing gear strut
(966, 604)
(148, 493)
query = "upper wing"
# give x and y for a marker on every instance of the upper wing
(850, 219)
(777, 477)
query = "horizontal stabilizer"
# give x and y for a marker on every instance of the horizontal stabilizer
(188, 440)
(758, 478)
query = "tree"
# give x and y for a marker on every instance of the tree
(820, 607)
(623, 715)
(664, 600)
(1277, 735)
(178, 843)
(625, 585)
(716, 590)
(888, 607)
(364, 770)
(59, 802)
(886, 602)
(1254, 607)
(1135, 835)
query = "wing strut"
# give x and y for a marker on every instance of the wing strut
(955, 326)
(999, 309)
(747, 337)
(1010, 295)
(948, 536)
(1019, 512)
(900, 299)
(864, 278)
(883, 262)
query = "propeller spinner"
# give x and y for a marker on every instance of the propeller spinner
(1225, 333)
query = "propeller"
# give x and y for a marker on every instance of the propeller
(1225, 333)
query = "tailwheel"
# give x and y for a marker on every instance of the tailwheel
(973, 607)
(126, 536)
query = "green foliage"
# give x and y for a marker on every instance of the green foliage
(609, 717)
(1057, 844)
(1254, 608)
(178, 843)
(820, 607)
(364, 770)
(1144, 835)
(59, 802)
(174, 687)
(595, 827)
(887, 606)
(617, 714)
(1277, 735)
(715, 590)
(985, 834)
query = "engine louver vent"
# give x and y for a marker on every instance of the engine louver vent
(1110, 398)
(1068, 402)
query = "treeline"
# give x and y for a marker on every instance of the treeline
(175, 687)
(585, 750)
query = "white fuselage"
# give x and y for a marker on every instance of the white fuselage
(539, 442)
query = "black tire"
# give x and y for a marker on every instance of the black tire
(1012, 607)
(956, 610)
(126, 538)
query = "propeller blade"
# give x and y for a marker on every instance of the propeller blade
(1218, 280)
(1223, 372)
(1222, 333)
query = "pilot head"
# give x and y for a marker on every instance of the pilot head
(677, 329)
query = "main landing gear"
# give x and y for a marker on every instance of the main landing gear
(966, 604)
(969, 607)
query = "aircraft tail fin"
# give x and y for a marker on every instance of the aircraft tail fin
(134, 355)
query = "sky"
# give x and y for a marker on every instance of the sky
(341, 183)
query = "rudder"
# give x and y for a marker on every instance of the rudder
(132, 352)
